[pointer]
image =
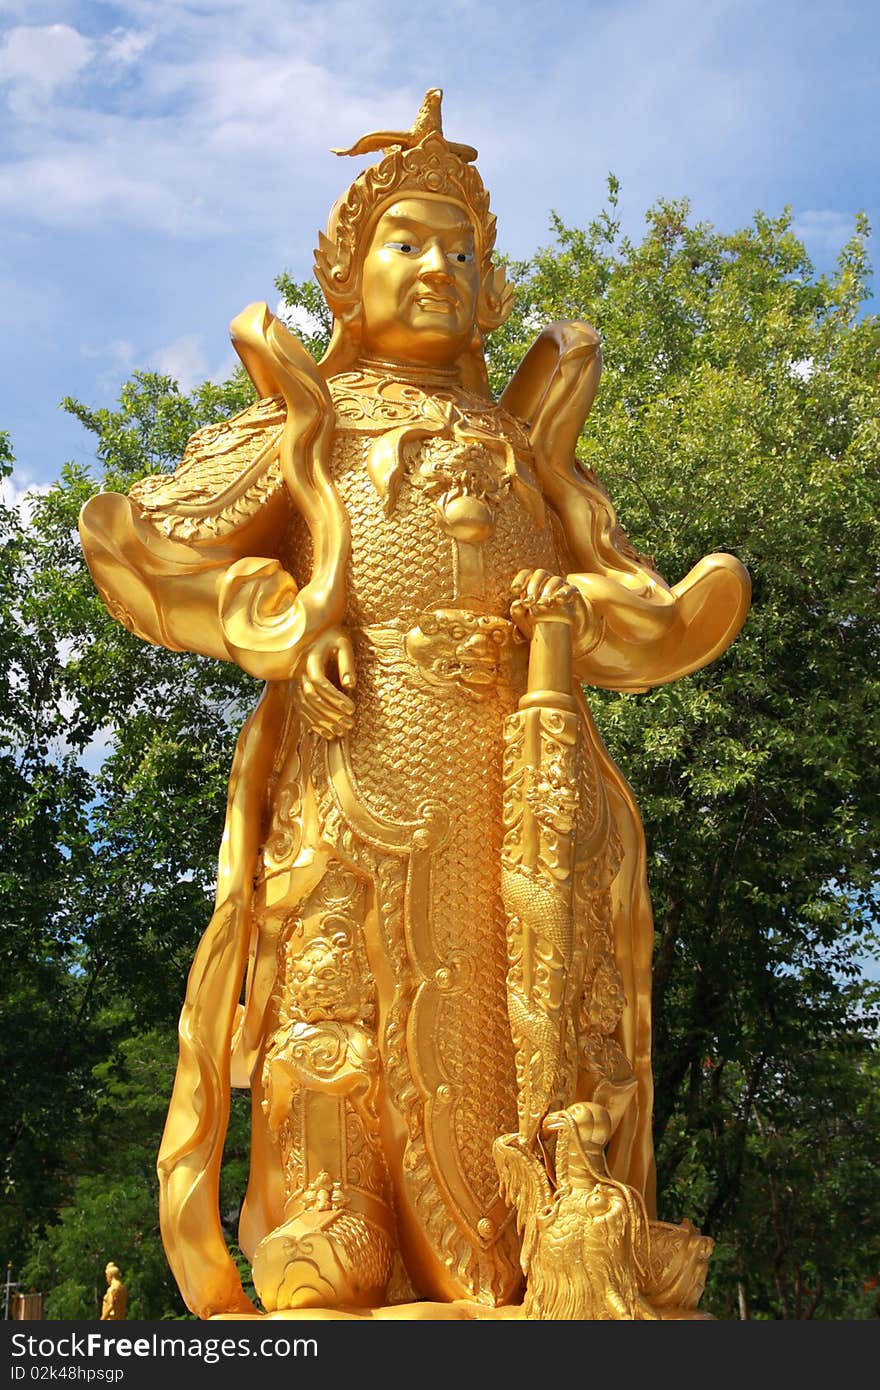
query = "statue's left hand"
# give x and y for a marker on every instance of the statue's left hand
(539, 594)
(322, 705)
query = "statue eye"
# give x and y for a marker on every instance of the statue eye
(406, 248)
(461, 257)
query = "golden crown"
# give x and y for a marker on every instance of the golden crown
(419, 160)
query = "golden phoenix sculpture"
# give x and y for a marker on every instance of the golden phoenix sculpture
(432, 876)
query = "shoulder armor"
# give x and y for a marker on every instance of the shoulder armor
(229, 471)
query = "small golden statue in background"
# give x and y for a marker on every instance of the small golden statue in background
(115, 1304)
(432, 874)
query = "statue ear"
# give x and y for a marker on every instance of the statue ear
(495, 299)
(333, 272)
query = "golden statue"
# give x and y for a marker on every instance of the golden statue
(432, 875)
(115, 1304)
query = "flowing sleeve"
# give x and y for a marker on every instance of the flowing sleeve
(194, 560)
(645, 632)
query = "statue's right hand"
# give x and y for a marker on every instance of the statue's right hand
(321, 703)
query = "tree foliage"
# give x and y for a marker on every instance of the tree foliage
(738, 411)
(43, 838)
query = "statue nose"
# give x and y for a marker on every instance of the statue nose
(434, 262)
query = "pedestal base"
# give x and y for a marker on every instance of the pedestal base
(459, 1311)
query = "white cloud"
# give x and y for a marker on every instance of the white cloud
(187, 362)
(119, 357)
(823, 230)
(297, 319)
(198, 173)
(83, 182)
(35, 60)
(120, 353)
(188, 122)
(184, 359)
(125, 46)
(46, 55)
(19, 490)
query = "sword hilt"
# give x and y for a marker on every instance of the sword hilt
(550, 665)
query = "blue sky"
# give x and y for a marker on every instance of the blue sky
(162, 160)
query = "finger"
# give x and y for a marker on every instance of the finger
(520, 615)
(333, 700)
(320, 710)
(327, 728)
(311, 697)
(536, 582)
(315, 674)
(553, 588)
(336, 728)
(519, 581)
(316, 686)
(345, 664)
(315, 666)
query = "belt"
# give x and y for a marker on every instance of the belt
(452, 647)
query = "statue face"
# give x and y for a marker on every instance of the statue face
(420, 282)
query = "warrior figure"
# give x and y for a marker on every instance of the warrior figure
(432, 876)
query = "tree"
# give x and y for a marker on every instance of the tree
(112, 1209)
(43, 837)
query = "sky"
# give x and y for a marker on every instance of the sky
(161, 161)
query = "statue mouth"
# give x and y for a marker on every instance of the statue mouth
(438, 303)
